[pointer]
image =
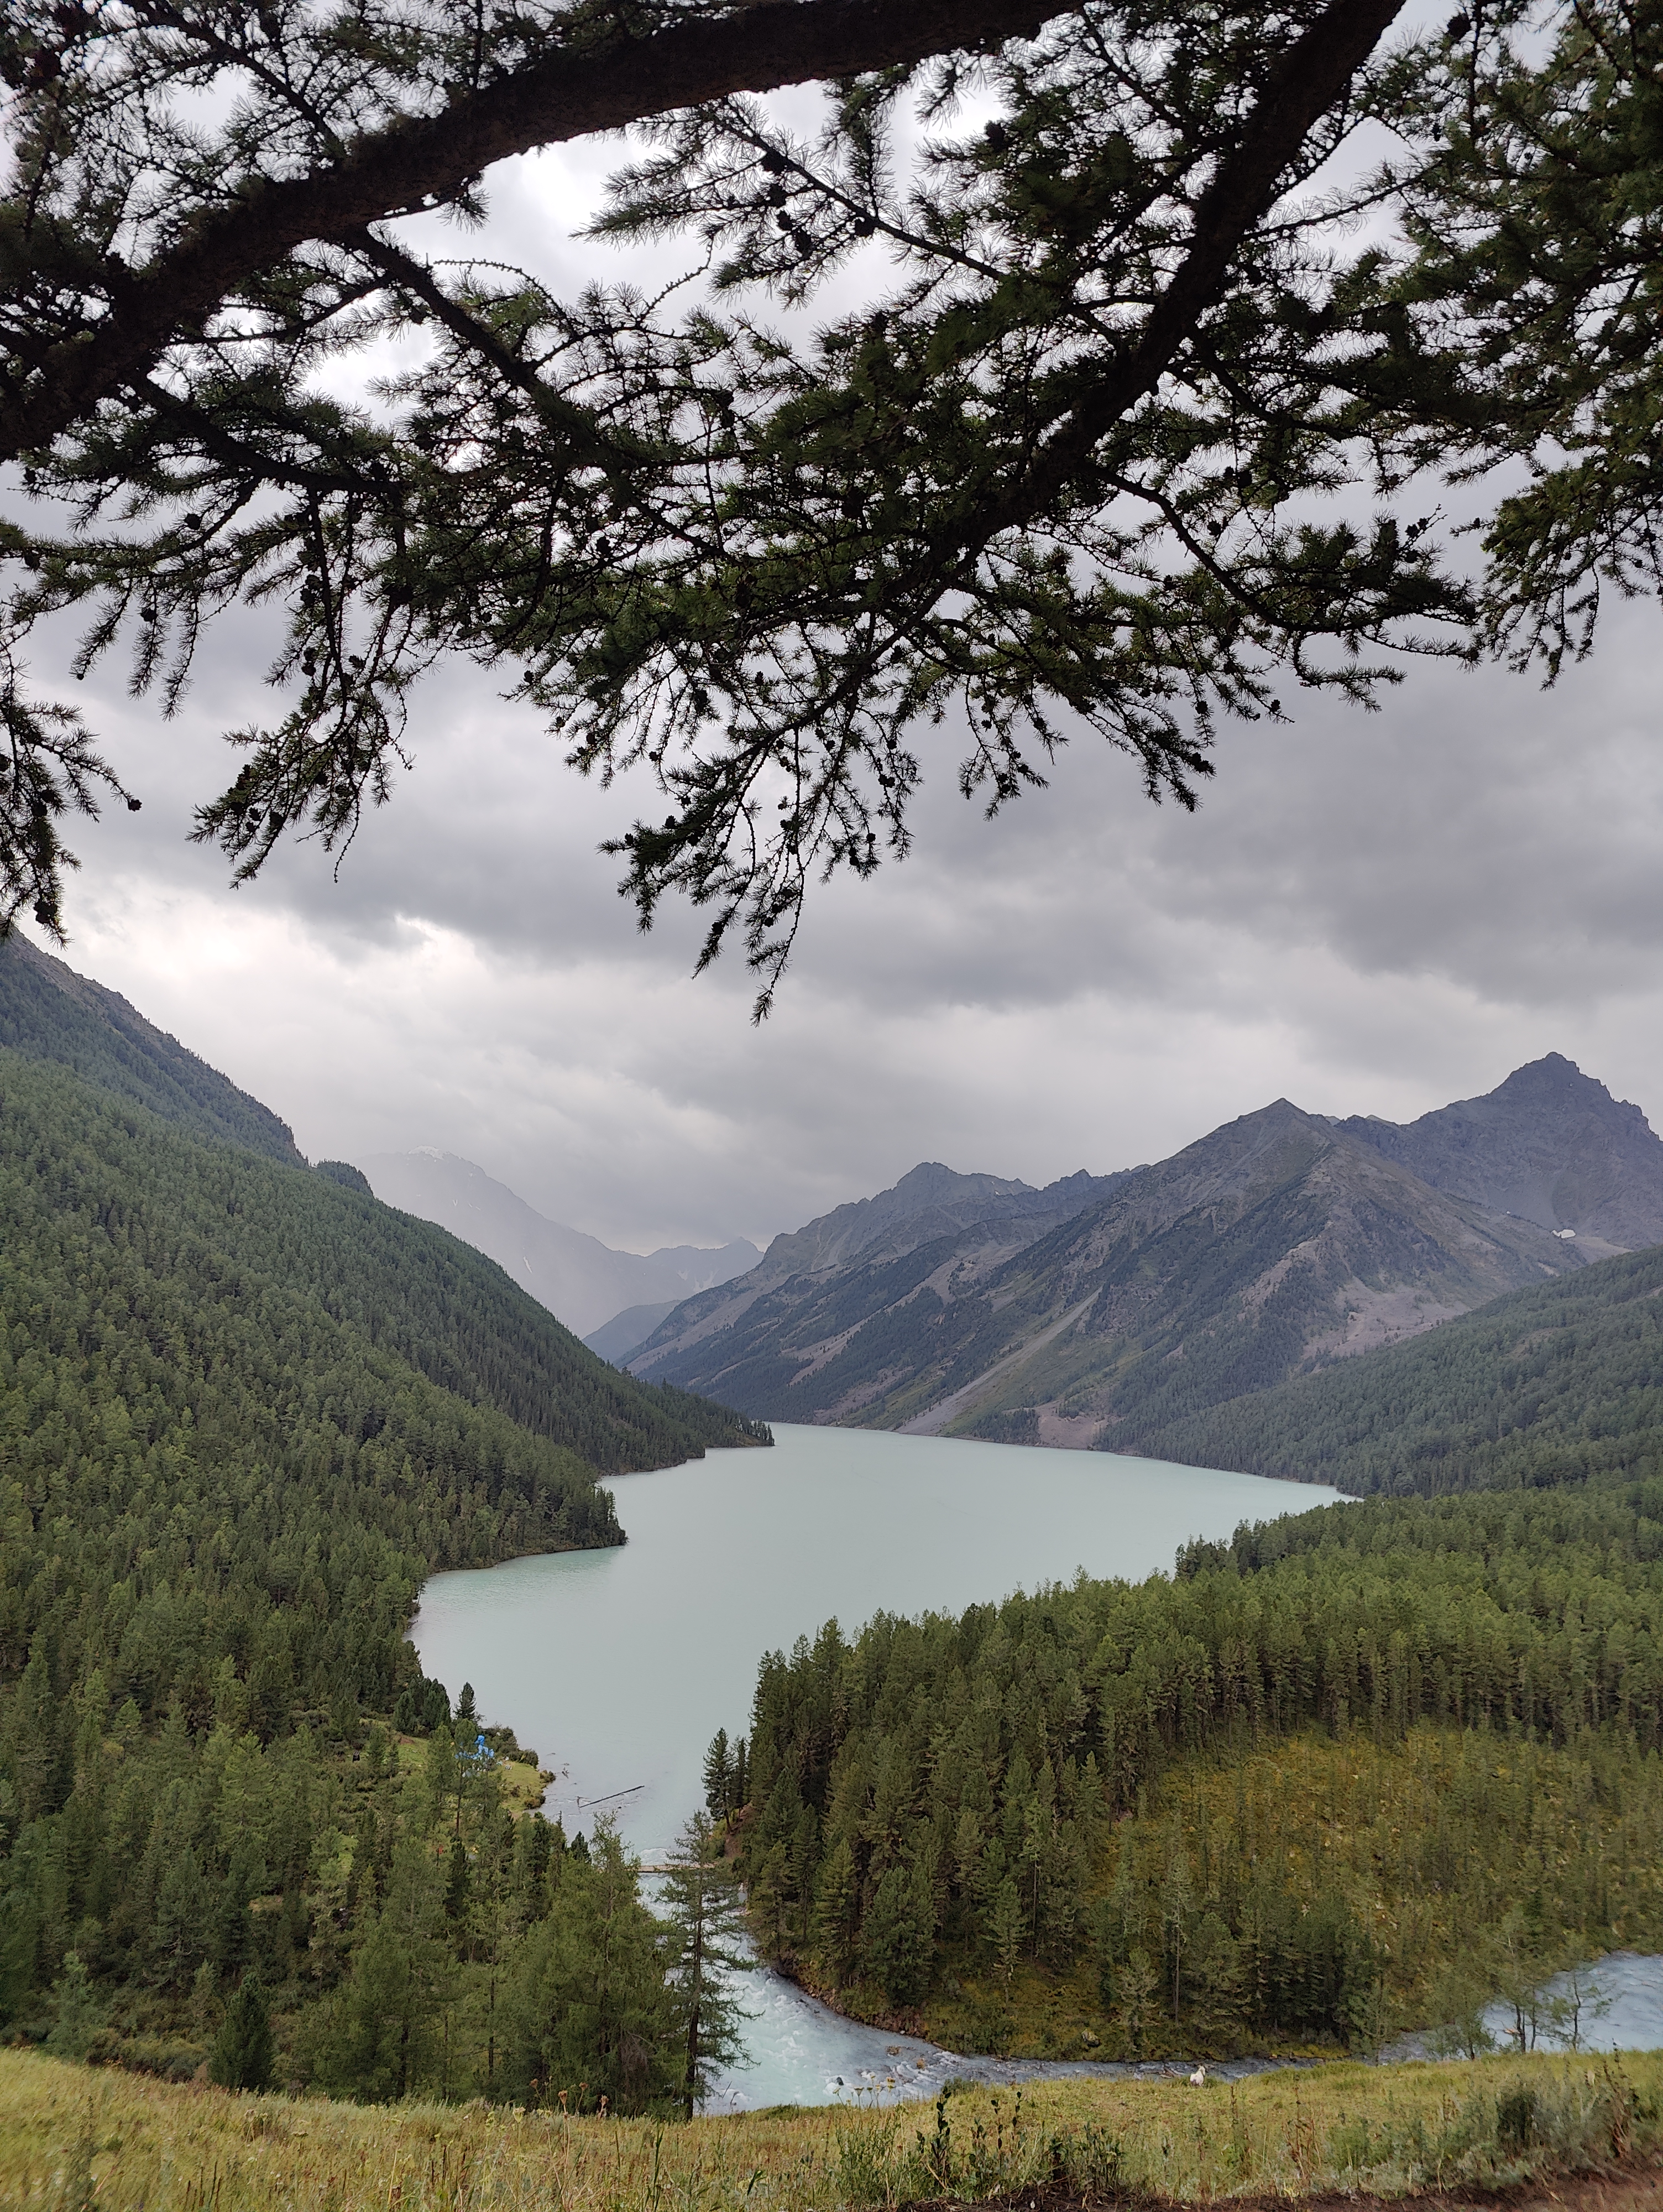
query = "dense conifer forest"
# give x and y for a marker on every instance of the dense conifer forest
(1547, 1385)
(1362, 1769)
(245, 1411)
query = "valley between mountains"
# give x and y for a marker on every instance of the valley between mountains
(1314, 1787)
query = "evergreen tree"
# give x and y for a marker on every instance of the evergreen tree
(78, 2014)
(377, 2042)
(242, 2055)
(458, 1888)
(1140, 1994)
(586, 2010)
(771, 1915)
(897, 1934)
(941, 434)
(707, 1915)
(719, 1778)
(231, 1937)
(1006, 1927)
(837, 1913)
(177, 1928)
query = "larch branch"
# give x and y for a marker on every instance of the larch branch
(756, 49)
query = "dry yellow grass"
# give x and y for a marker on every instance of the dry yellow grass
(72, 2138)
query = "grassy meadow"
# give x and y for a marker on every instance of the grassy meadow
(72, 2138)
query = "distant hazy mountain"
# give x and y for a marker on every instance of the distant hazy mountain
(49, 1012)
(1280, 1242)
(616, 1338)
(582, 1281)
(1549, 1144)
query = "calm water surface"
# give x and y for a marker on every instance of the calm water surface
(618, 1666)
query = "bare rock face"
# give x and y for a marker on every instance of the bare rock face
(970, 1220)
(1550, 1145)
(929, 1201)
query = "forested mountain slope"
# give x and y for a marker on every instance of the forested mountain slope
(49, 1012)
(454, 1315)
(1321, 1784)
(248, 1342)
(245, 1410)
(1550, 1143)
(174, 1390)
(417, 1291)
(1548, 1385)
(1277, 1239)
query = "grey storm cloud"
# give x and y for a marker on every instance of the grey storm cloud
(1369, 913)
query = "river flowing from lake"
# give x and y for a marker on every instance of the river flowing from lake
(618, 1666)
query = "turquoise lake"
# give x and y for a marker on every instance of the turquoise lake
(618, 1666)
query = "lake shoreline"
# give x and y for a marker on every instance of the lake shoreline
(621, 1662)
(912, 2023)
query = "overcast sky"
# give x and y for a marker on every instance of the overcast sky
(1371, 914)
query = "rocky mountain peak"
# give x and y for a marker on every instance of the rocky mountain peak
(1549, 1144)
(930, 1183)
(1554, 1081)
